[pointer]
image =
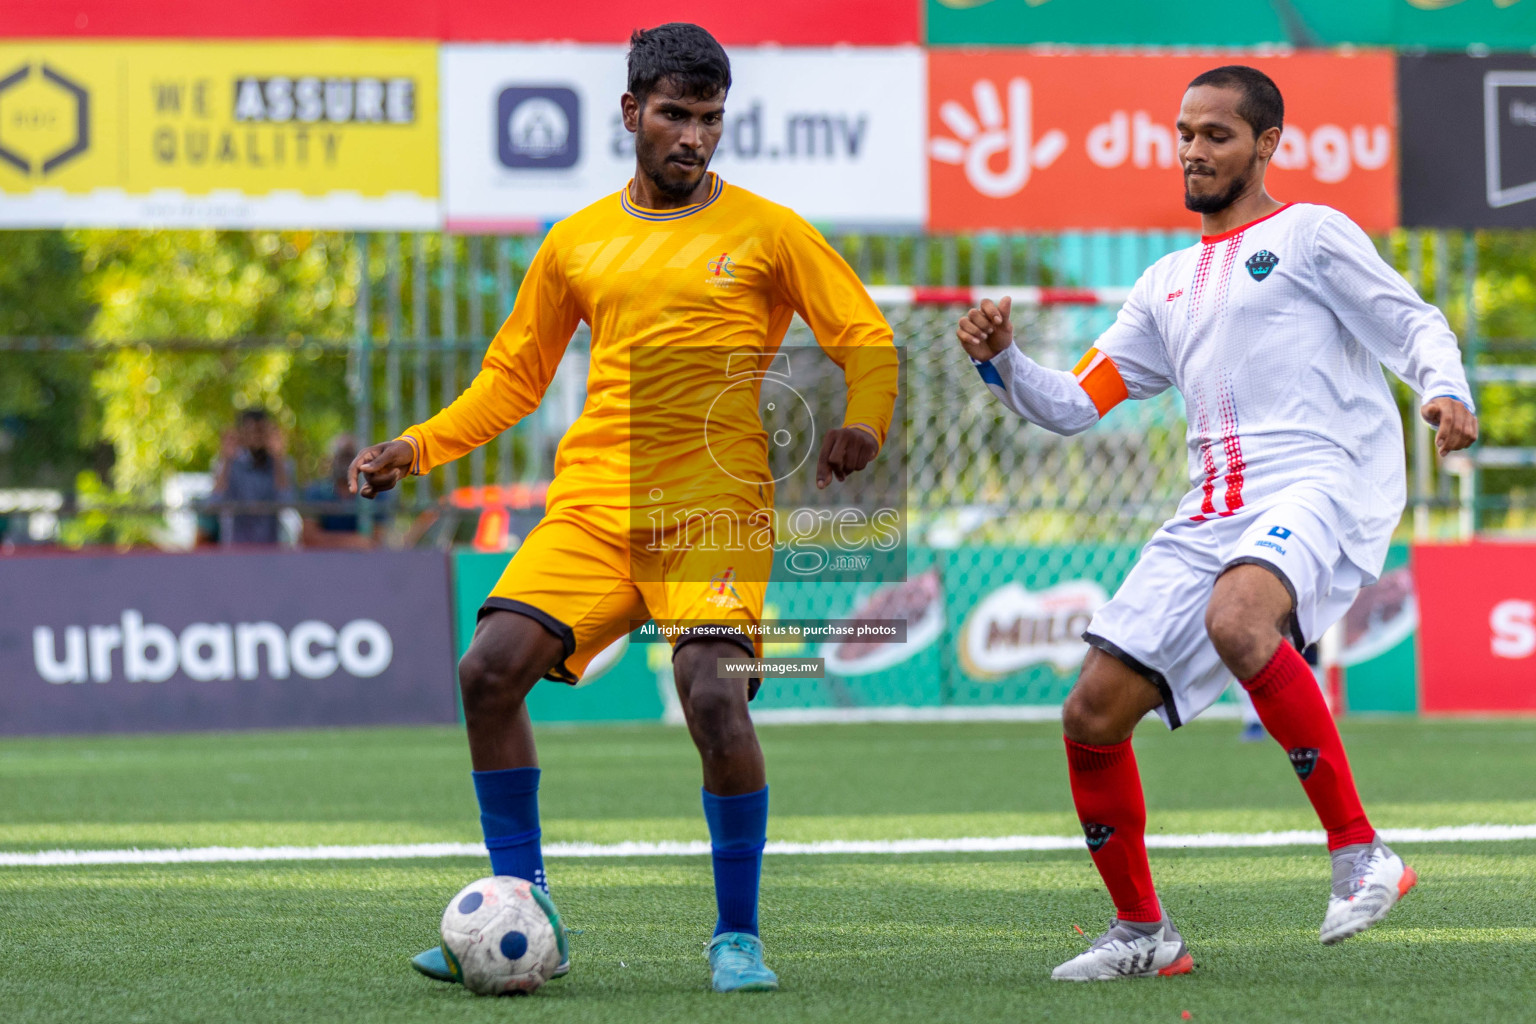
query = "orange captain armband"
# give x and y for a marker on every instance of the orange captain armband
(1096, 374)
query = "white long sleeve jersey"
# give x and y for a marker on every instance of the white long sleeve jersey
(1274, 333)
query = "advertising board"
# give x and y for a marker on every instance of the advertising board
(248, 640)
(1477, 638)
(787, 22)
(1469, 140)
(218, 134)
(1029, 141)
(533, 133)
(1379, 653)
(1435, 24)
(987, 628)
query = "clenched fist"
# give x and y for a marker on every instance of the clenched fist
(986, 331)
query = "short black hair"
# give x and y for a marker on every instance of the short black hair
(1261, 105)
(684, 54)
(255, 414)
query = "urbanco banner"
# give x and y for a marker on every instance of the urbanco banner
(1477, 638)
(1469, 140)
(247, 640)
(218, 134)
(1029, 141)
(534, 133)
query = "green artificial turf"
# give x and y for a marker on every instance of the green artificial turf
(855, 938)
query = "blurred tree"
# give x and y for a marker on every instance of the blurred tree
(163, 408)
(49, 418)
(1506, 298)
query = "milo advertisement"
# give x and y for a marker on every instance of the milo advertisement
(1380, 656)
(986, 628)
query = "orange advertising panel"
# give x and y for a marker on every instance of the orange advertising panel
(1029, 141)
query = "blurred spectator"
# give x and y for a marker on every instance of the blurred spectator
(252, 466)
(338, 529)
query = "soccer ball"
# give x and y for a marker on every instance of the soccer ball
(501, 936)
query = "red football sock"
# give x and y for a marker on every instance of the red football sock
(1291, 706)
(1106, 787)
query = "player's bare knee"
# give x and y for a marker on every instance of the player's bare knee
(1073, 714)
(717, 707)
(1240, 638)
(698, 663)
(1086, 717)
(489, 683)
(714, 703)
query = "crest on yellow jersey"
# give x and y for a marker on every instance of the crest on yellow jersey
(721, 584)
(722, 270)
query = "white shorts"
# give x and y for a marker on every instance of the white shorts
(1155, 623)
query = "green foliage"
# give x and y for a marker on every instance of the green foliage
(104, 517)
(48, 416)
(1506, 299)
(163, 409)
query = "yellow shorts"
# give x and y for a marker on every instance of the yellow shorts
(589, 577)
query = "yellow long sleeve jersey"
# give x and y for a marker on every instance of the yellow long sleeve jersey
(670, 297)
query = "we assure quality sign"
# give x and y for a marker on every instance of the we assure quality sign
(242, 134)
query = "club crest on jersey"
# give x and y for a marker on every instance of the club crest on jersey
(721, 584)
(1097, 834)
(1303, 759)
(1261, 263)
(722, 271)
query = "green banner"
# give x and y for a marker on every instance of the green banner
(1381, 663)
(622, 690)
(1437, 24)
(987, 626)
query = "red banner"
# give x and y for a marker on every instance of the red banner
(1477, 632)
(790, 22)
(1027, 141)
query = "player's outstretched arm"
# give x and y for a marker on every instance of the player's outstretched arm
(1052, 399)
(820, 286)
(1408, 335)
(518, 367)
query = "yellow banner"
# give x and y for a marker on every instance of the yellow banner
(281, 133)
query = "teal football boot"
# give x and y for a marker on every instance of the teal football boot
(437, 964)
(736, 963)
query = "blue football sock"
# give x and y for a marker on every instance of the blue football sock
(509, 817)
(738, 828)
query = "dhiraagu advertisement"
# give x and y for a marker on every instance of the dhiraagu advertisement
(222, 134)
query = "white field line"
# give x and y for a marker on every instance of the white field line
(947, 713)
(970, 844)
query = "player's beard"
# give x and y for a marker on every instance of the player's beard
(654, 165)
(1219, 201)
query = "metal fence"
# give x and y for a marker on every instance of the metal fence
(428, 305)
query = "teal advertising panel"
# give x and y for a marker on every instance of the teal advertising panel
(1381, 663)
(1435, 24)
(618, 687)
(987, 626)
